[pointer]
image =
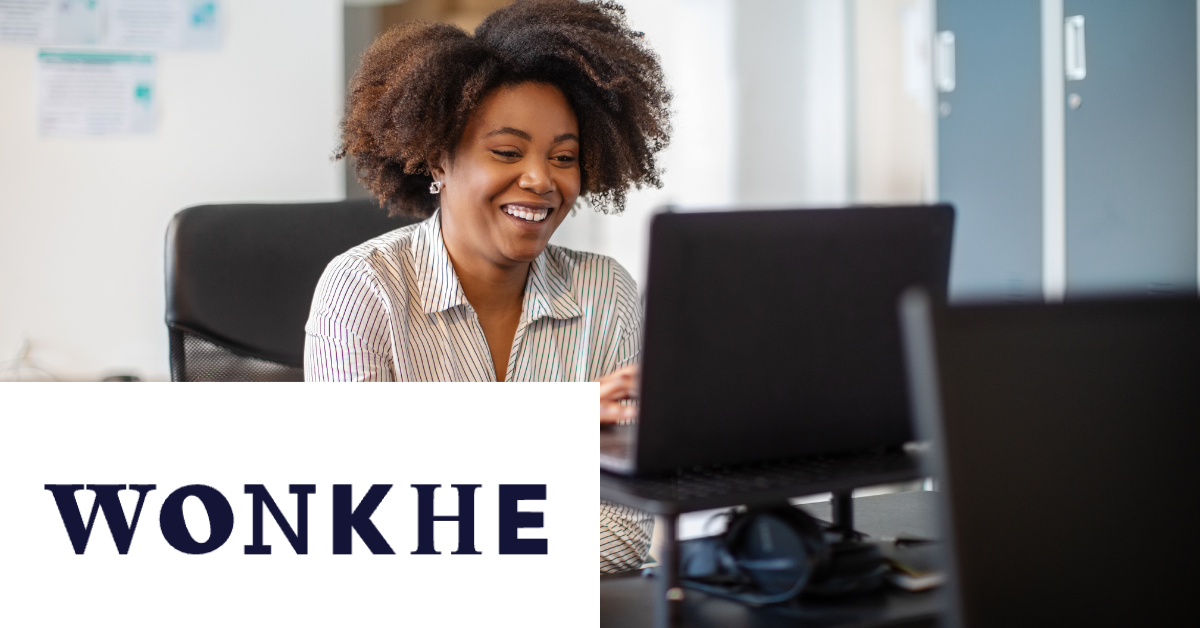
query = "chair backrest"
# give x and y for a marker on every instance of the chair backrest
(1067, 441)
(240, 280)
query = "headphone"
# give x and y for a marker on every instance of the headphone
(771, 554)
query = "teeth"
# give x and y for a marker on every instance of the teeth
(524, 213)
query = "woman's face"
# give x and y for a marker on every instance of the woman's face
(514, 175)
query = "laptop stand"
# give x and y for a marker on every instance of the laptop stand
(705, 488)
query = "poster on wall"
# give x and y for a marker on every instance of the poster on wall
(126, 24)
(95, 93)
(62, 22)
(162, 24)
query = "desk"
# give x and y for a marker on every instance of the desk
(628, 602)
(702, 488)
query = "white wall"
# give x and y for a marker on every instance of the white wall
(694, 39)
(82, 220)
(827, 120)
(770, 54)
(761, 113)
(893, 105)
(781, 103)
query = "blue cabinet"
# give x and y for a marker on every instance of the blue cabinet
(990, 146)
(1127, 138)
(1131, 147)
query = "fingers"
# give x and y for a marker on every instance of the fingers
(620, 384)
(629, 369)
(612, 412)
(617, 390)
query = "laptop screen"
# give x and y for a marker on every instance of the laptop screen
(773, 334)
(1071, 457)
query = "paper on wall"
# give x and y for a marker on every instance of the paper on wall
(138, 24)
(25, 21)
(95, 93)
(163, 24)
(64, 22)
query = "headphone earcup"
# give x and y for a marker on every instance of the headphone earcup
(813, 534)
(767, 555)
(778, 548)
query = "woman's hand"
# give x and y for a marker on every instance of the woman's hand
(619, 386)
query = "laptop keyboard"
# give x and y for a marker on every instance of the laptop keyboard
(719, 486)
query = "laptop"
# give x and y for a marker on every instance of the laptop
(773, 334)
(1067, 449)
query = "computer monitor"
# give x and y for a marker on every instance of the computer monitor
(773, 334)
(1067, 449)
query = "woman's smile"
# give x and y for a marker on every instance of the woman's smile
(527, 212)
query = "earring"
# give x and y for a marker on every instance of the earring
(435, 187)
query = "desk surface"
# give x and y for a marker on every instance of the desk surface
(911, 514)
(720, 487)
(628, 602)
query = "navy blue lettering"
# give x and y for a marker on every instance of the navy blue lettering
(298, 537)
(175, 530)
(347, 518)
(106, 500)
(512, 519)
(465, 518)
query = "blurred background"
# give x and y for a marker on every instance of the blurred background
(1072, 161)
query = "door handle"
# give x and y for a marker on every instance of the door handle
(1076, 50)
(943, 60)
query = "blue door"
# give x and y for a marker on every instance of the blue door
(990, 146)
(1130, 146)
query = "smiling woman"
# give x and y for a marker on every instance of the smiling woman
(514, 177)
(493, 138)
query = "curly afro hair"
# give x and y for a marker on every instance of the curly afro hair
(419, 83)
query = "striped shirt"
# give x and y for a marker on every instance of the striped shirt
(392, 309)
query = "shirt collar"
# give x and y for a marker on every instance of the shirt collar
(547, 290)
(440, 289)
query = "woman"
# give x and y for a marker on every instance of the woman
(493, 138)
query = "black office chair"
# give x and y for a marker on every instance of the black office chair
(240, 280)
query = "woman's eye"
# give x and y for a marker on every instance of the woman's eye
(507, 154)
(564, 159)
